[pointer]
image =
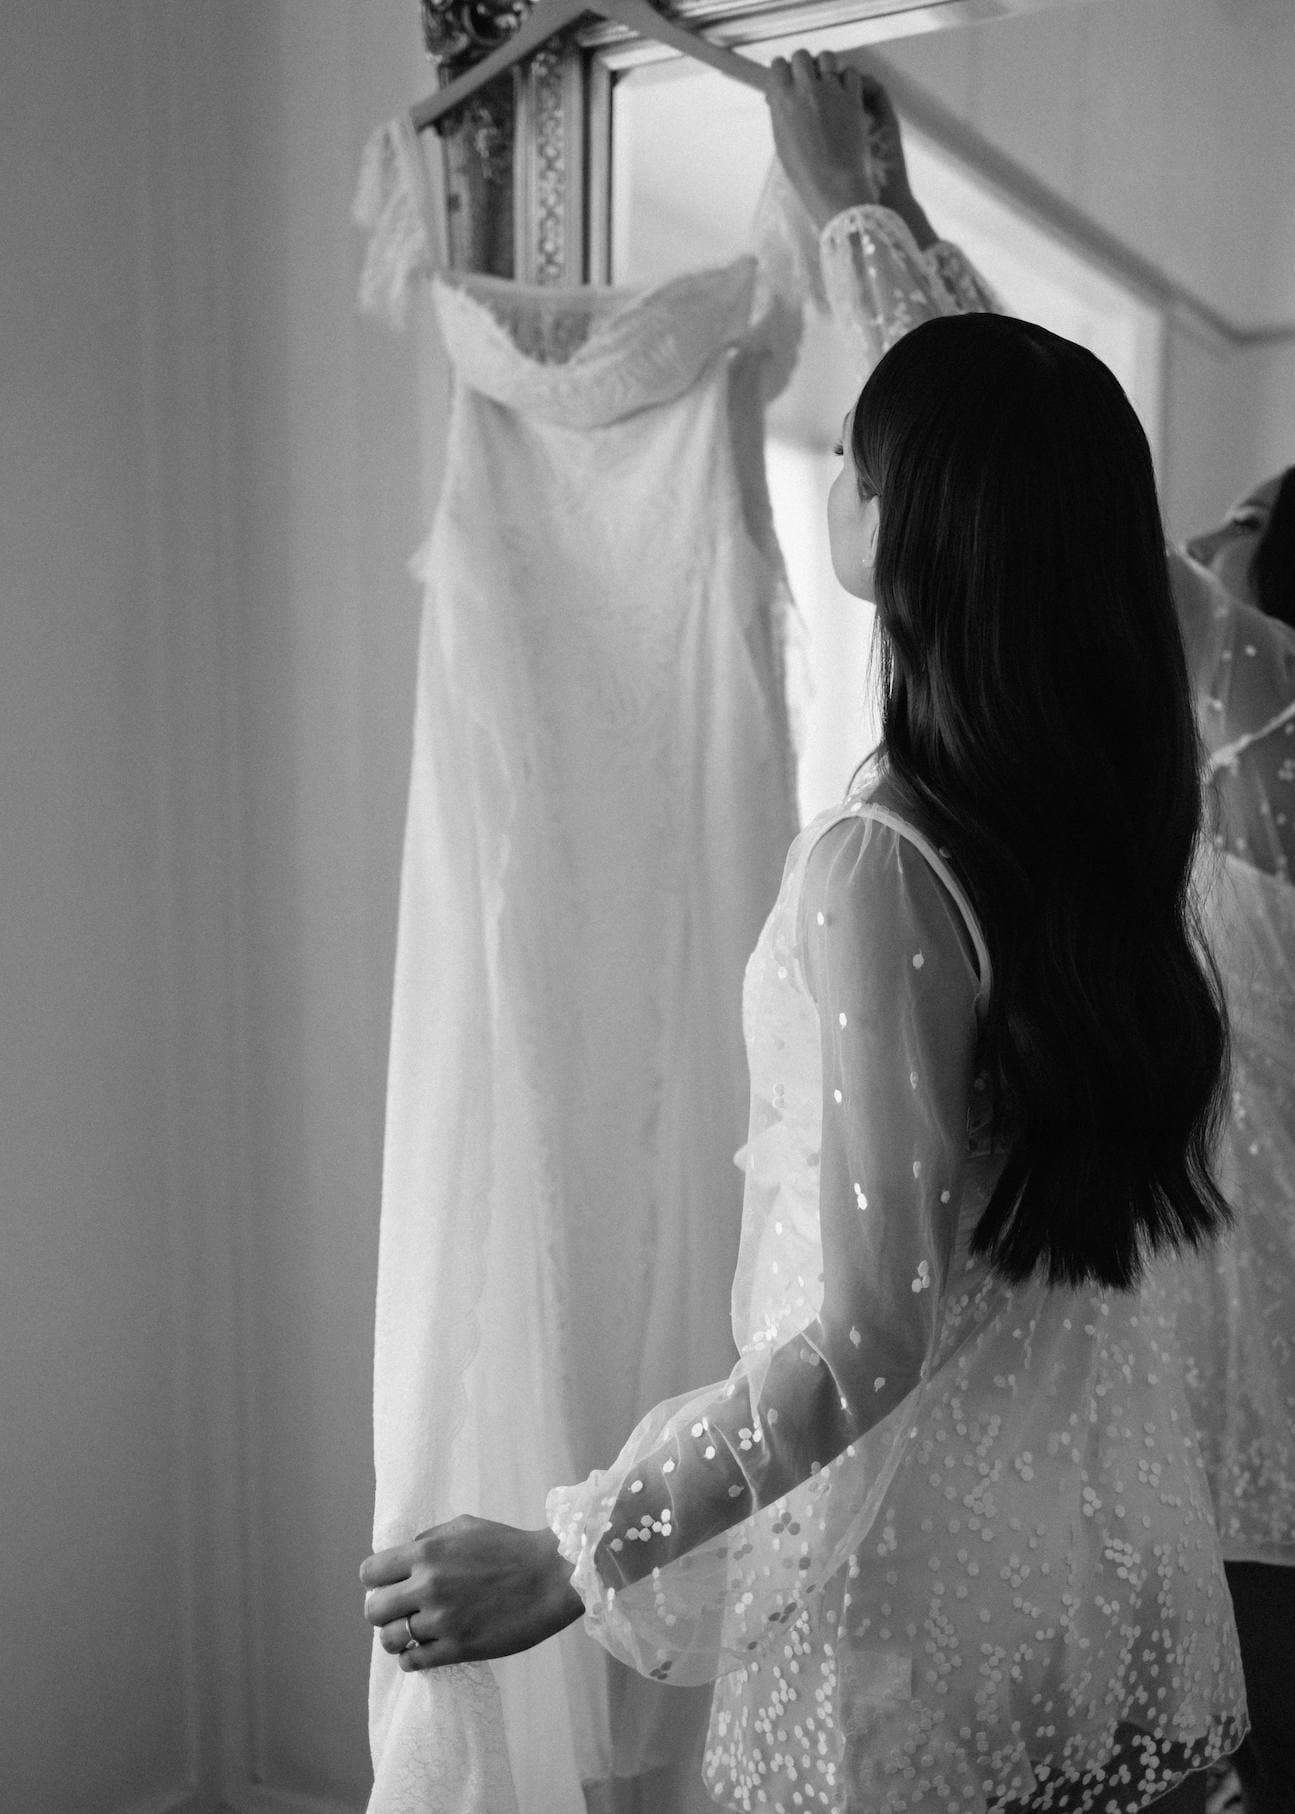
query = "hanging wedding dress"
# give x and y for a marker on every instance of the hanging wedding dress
(601, 800)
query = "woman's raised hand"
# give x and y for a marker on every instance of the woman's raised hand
(821, 133)
(467, 1590)
(839, 139)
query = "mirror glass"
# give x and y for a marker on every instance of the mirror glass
(1119, 170)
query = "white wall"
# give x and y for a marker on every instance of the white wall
(92, 1568)
(326, 502)
(1168, 121)
(209, 481)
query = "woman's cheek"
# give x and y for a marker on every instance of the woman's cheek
(843, 532)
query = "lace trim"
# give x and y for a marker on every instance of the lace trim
(871, 220)
(880, 285)
(877, 282)
(627, 349)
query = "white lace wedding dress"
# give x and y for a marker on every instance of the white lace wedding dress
(601, 800)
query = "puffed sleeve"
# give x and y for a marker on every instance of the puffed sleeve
(880, 284)
(726, 1510)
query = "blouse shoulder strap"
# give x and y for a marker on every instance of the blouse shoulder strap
(939, 863)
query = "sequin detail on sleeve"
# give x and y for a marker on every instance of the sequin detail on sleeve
(880, 285)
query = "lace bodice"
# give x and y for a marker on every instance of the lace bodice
(586, 360)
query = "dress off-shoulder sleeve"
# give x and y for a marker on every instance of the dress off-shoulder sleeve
(880, 285)
(727, 1510)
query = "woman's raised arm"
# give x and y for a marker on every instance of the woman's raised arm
(840, 142)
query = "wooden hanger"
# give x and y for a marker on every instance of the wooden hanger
(548, 17)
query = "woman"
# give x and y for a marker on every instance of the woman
(943, 1534)
(839, 139)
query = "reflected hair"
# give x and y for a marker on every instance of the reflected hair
(1272, 565)
(1036, 712)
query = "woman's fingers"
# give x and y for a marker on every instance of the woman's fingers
(434, 1655)
(803, 69)
(384, 1605)
(394, 1637)
(821, 133)
(469, 1589)
(386, 1566)
(808, 74)
(425, 1629)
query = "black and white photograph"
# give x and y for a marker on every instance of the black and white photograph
(647, 937)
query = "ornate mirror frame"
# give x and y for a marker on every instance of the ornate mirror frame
(529, 160)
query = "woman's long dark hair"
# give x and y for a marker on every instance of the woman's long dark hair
(1037, 714)
(1272, 565)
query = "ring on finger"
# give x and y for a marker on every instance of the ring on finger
(414, 1640)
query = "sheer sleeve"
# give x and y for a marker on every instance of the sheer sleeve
(797, 1443)
(1241, 663)
(879, 284)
